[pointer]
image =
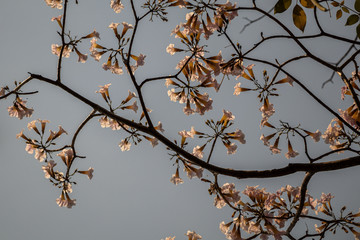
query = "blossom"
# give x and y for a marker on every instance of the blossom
(89, 172)
(193, 235)
(289, 80)
(159, 127)
(139, 60)
(332, 133)
(237, 135)
(58, 20)
(29, 148)
(267, 110)
(170, 49)
(94, 53)
(124, 145)
(227, 116)
(274, 148)
(67, 155)
(114, 25)
(40, 154)
(56, 49)
(65, 201)
(116, 5)
(82, 57)
(133, 107)
(175, 178)
(54, 3)
(94, 34)
(48, 169)
(193, 172)
(104, 90)
(325, 198)
(104, 122)
(229, 192)
(231, 148)
(127, 26)
(291, 153)
(315, 136)
(169, 238)
(114, 125)
(266, 139)
(19, 109)
(349, 119)
(198, 151)
(153, 141)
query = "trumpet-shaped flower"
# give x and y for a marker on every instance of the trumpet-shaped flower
(116, 5)
(124, 145)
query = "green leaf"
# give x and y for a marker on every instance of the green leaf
(282, 6)
(357, 5)
(358, 31)
(352, 19)
(307, 3)
(299, 17)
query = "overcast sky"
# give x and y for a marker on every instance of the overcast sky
(130, 195)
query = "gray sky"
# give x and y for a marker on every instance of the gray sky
(130, 196)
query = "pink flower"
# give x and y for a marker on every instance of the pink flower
(124, 145)
(315, 136)
(289, 80)
(30, 148)
(40, 154)
(266, 139)
(104, 122)
(56, 49)
(231, 148)
(116, 5)
(140, 60)
(54, 3)
(175, 178)
(159, 127)
(230, 193)
(227, 116)
(291, 153)
(193, 172)
(19, 109)
(133, 107)
(332, 133)
(89, 173)
(169, 238)
(198, 151)
(67, 155)
(274, 148)
(153, 141)
(193, 235)
(325, 198)
(48, 169)
(237, 135)
(104, 90)
(170, 49)
(65, 202)
(82, 57)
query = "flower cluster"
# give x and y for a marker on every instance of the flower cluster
(266, 213)
(19, 109)
(334, 132)
(43, 149)
(219, 128)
